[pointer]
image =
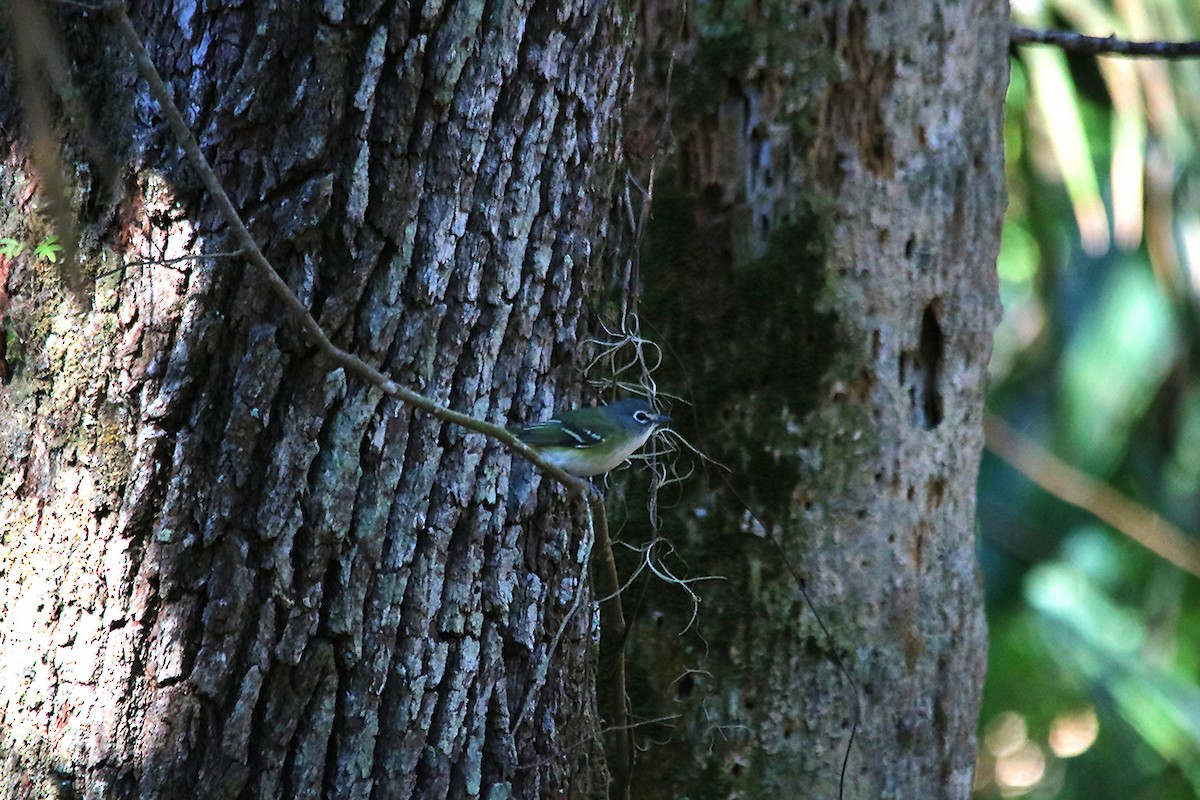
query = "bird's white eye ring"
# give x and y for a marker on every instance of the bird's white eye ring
(641, 416)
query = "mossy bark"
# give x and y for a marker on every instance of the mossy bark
(820, 266)
(228, 572)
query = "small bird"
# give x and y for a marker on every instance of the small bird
(589, 441)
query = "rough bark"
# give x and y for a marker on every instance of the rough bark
(225, 571)
(821, 265)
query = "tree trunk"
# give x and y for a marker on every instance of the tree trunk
(226, 571)
(820, 267)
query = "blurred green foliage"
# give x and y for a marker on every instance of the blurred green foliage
(1094, 670)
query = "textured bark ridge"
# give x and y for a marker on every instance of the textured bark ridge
(823, 255)
(227, 572)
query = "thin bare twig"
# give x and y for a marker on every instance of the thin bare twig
(1104, 45)
(597, 516)
(612, 643)
(165, 262)
(542, 668)
(612, 634)
(251, 251)
(558, 753)
(1083, 491)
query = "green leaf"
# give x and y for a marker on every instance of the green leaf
(49, 249)
(10, 248)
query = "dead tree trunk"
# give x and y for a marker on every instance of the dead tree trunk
(820, 262)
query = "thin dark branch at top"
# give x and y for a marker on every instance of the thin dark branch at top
(1104, 45)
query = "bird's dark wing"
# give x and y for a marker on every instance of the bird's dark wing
(553, 433)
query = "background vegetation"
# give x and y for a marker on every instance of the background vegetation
(1094, 670)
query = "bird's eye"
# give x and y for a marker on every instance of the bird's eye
(641, 417)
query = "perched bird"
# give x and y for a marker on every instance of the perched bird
(589, 441)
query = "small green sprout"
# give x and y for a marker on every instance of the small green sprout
(11, 248)
(48, 249)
